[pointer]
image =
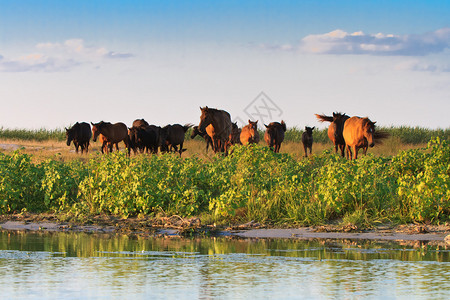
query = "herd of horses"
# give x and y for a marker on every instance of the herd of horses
(220, 133)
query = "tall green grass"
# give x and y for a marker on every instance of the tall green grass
(36, 135)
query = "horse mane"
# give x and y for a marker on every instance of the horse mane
(324, 118)
(338, 116)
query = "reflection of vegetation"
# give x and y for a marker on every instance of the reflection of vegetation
(253, 183)
(124, 267)
(103, 245)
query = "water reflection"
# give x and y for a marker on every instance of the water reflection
(80, 265)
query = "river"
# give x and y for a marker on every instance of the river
(62, 265)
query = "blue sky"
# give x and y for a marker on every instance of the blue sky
(68, 61)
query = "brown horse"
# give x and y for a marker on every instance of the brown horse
(220, 128)
(274, 135)
(106, 147)
(175, 137)
(114, 133)
(80, 134)
(307, 140)
(358, 133)
(335, 129)
(249, 133)
(140, 123)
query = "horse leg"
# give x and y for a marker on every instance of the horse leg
(365, 150)
(349, 153)
(305, 148)
(207, 144)
(356, 152)
(181, 149)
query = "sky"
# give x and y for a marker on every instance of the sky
(117, 61)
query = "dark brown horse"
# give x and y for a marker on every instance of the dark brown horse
(175, 137)
(249, 133)
(80, 134)
(220, 128)
(274, 135)
(335, 129)
(114, 133)
(235, 135)
(204, 135)
(140, 123)
(307, 140)
(144, 138)
(358, 133)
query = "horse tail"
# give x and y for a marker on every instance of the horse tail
(187, 126)
(283, 125)
(380, 135)
(323, 118)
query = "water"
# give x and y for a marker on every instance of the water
(89, 266)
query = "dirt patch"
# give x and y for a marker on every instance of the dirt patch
(10, 147)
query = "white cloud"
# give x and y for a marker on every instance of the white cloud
(415, 65)
(339, 42)
(56, 57)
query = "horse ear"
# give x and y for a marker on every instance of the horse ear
(266, 125)
(92, 123)
(249, 121)
(314, 127)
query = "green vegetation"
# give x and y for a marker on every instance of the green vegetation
(36, 135)
(252, 183)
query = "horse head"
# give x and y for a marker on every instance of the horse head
(205, 118)
(96, 129)
(309, 130)
(69, 135)
(253, 128)
(369, 131)
(195, 132)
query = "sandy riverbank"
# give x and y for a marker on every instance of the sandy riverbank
(436, 234)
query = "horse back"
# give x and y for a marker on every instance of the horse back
(116, 132)
(175, 134)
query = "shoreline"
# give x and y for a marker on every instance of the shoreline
(434, 234)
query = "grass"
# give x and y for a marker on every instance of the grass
(45, 149)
